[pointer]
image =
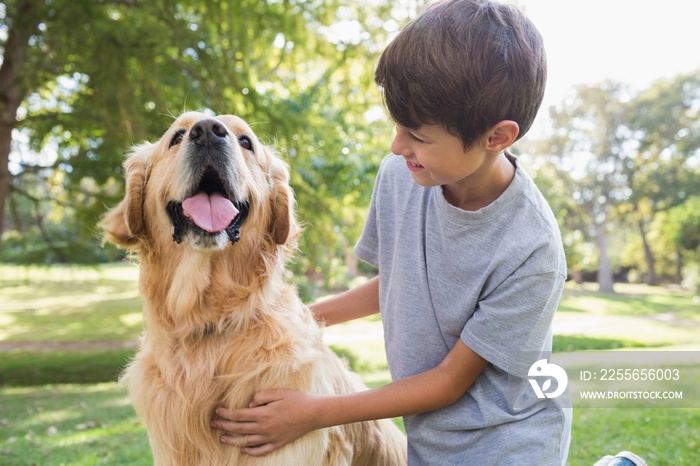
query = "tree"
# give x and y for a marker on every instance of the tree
(665, 125)
(114, 71)
(19, 24)
(76, 92)
(589, 142)
(572, 225)
(624, 158)
(680, 226)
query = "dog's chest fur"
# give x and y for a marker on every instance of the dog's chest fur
(209, 342)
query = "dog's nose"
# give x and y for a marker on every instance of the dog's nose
(208, 132)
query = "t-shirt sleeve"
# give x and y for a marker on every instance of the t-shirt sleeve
(367, 247)
(511, 326)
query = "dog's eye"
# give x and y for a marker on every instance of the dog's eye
(177, 138)
(245, 143)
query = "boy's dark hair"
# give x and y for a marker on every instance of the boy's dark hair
(464, 65)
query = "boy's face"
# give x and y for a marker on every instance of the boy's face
(437, 158)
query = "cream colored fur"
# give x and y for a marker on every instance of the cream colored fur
(222, 323)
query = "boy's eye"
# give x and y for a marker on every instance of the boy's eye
(416, 138)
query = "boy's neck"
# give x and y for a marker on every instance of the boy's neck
(484, 186)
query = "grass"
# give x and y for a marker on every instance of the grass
(663, 437)
(70, 425)
(31, 368)
(568, 343)
(636, 316)
(69, 303)
(64, 407)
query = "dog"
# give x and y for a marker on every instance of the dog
(209, 214)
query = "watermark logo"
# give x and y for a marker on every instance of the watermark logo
(542, 369)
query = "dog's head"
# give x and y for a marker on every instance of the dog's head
(207, 183)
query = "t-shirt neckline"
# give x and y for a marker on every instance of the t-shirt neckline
(485, 213)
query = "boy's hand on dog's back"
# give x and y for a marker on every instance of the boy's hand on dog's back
(273, 419)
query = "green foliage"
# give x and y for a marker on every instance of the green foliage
(287, 67)
(55, 244)
(681, 226)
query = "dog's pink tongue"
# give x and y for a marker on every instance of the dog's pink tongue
(210, 213)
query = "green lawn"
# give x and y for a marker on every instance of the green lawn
(69, 303)
(636, 316)
(70, 425)
(62, 407)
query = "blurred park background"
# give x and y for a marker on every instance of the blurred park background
(83, 80)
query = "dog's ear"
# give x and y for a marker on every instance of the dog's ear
(282, 221)
(125, 223)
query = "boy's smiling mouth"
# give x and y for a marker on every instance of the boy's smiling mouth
(414, 167)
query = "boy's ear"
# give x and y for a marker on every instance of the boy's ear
(502, 135)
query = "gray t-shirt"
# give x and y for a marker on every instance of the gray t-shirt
(492, 278)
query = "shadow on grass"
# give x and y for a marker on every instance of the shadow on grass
(44, 367)
(29, 368)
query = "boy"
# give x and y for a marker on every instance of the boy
(471, 265)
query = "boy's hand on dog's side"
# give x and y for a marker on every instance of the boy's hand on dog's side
(273, 419)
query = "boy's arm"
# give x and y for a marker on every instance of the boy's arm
(279, 417)
(360, 301)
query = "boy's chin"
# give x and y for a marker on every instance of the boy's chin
(422, 179)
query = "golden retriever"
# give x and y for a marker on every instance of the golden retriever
(209, 214)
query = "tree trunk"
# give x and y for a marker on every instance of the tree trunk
(651, 278)
(12, 91)
(679, 266)
(5, 175)
(605, 275)
(351, 265)
(577, 276)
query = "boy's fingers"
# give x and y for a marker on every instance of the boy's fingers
(234, 427)
(243, 441)
(265, 397)
(237, 415)
(225, 413)
(259, 450)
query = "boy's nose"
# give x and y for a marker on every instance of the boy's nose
(397, 145)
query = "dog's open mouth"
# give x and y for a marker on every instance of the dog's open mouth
(209, 210)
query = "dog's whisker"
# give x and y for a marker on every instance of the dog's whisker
(255, 123)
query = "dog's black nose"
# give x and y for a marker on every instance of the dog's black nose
(208, 132)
